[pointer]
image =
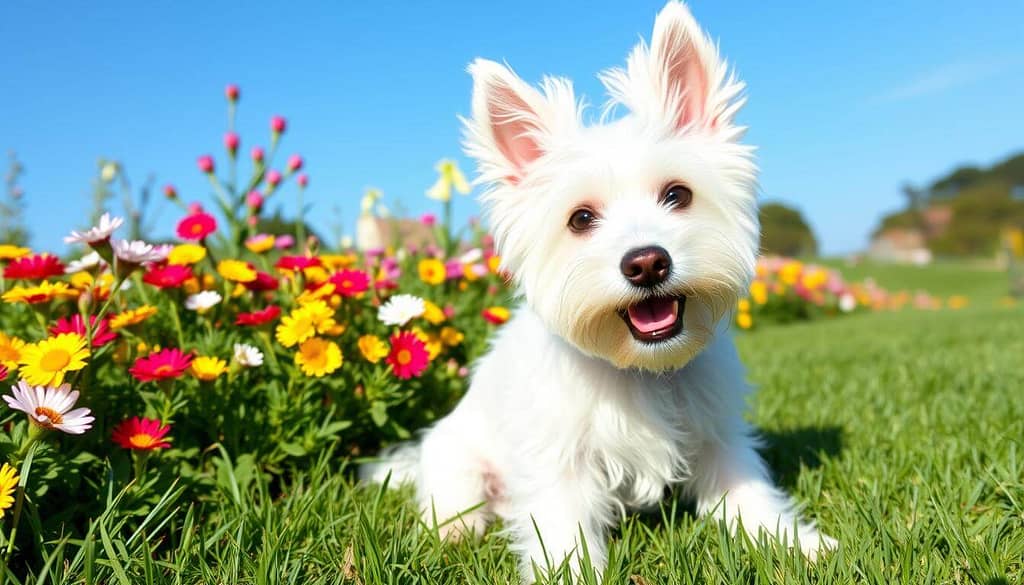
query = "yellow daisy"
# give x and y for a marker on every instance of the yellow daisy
(432, 271)
(8, 481)
(236, 271)
(132, 317)
(259, 244)
(10, 351)
(45, 292)
(208, 368)
(318, 357)
(186, 254)
(45, 363)
(305, 322)
(9, 252)
(494, 264)
(372, 348)
(744, 320)
(451, 336)
(336, 262)
(432, 313)
(431, 341)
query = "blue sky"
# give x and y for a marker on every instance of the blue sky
(847, 100)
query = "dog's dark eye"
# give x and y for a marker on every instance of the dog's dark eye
(677, 196)
(582, 220)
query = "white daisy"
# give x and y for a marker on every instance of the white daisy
(847, 302)
(50, 408)
(474, 255)
(202, 301)
(138, 252)
(86, 262)
(97, 234)
(248, 356)
(400, 309)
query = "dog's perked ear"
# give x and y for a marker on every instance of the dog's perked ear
(513, 124)
(680, 82)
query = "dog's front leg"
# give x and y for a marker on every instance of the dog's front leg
(731, 481)
(553, 520)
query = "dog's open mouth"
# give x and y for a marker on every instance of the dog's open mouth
(655, 319)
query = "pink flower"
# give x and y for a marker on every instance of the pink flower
(101, 334)
(257, 154)
(205, 163)
(170, 192)
(231, 142)
(303, 180)
(195, 207)
(294, 163)
(254, 199)
(428, 219)
(232, 92)
(273, 178)
(283, 242)
(278, 125)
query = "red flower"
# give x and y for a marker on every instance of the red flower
(232, 92)
(3, 372)
(297, 262)
(263, 281)
(257, 154)
(141, 434)
(162, 365)
(170, 192)
(408, 357)
(170, 276)
(196, 226)
(101, 334)
(259, 317)
(496, 315)
(349, 283)
(35, 267)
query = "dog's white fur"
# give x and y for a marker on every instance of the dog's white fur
(569, 420)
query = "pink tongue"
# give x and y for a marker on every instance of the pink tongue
(653, 314)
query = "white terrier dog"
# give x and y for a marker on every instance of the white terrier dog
(631, 242)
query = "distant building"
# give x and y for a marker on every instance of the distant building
(902, 245)
(373, 232)
(909, 245)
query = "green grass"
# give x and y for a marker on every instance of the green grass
(981, 283)
(900, 433)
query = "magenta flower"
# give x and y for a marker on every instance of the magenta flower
(278, 124)
(231, 142)
(257, 154)
(303, 180)
(428, 219)
(254, 199)
(273, 178)
(294, 163)
(205, 163)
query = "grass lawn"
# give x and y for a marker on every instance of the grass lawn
(900, 432)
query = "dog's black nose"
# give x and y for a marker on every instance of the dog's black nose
(646, 267)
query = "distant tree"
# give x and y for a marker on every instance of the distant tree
(784, 231)
(980, 213)
(12, 208)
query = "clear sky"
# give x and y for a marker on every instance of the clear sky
(847, 100)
